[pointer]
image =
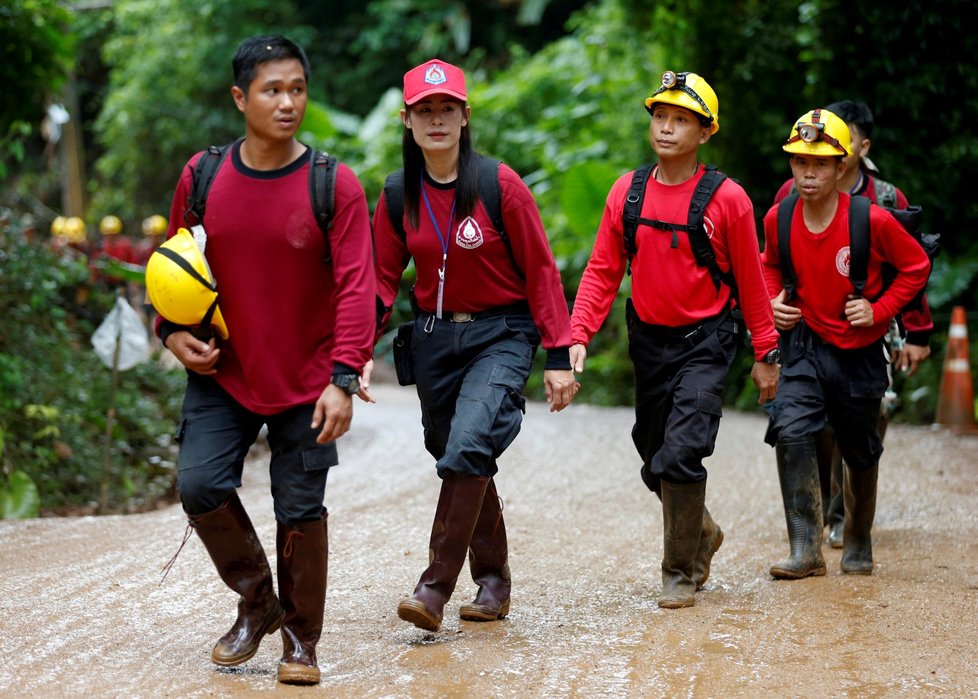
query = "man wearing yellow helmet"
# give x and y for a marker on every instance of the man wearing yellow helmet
(682, 339)
(299, 331)
(909, 344)
(831, 341)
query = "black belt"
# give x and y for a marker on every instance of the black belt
(469, 316)
(691, 334)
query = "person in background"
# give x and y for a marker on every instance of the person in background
(681, 337)
(834, 366)
(482, 307)
(295, 331)
(908, 338)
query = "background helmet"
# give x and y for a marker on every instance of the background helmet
(110, 225)
(180, 284)
(74, 230)
(819, 132)
(154, 225)
(690, 91)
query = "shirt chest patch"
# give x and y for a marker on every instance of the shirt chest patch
(842, 261)
(468, 235)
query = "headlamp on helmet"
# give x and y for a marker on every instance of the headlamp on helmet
(819, 132)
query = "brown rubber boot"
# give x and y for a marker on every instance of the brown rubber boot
(711, 538)
(798, 475)
(487, 562)
(233, 545)
(303, 550)
(459, 506)
(857, 540)
(682, 524)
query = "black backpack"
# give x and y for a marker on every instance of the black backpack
(859, 243)
(698, 240)
(322, 187)
(489, 192)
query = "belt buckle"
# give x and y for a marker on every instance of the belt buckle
(461, 317)
(694, 337)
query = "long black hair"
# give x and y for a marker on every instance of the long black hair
(466, 183)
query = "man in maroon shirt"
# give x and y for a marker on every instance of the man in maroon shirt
(299, 332)
(834, 370)
(681, 337)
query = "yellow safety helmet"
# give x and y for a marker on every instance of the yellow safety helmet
(74, 230)
(58, 226)
(690, 91)
(110, 225)
(819, 132)
(154, 225)
(180, 284)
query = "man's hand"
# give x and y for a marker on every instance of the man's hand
(198, 356)
(910, 357)
(859, 312)
(785, 317)
(765, 377)
(334, 411)
(561, 387)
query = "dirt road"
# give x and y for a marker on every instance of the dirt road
(82, 613)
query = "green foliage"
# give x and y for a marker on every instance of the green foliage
(56, 394)
(169, 92)
(35, 57)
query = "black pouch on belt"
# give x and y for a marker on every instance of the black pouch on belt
(403, 363)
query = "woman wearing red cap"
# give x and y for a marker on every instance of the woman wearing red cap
(486, 296)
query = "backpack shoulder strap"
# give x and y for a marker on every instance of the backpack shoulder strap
(632, 210)
(322, 192)
(203, 177)
(786, 210)
(885, 193)
(698, 240)
(394, 199)
(858, 242)
(492, 199)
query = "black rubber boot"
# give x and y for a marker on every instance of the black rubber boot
(459, 506)
(682, 524)
(836, 509)
(857, 540)
(798, 475)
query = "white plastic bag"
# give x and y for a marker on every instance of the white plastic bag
(124, 325)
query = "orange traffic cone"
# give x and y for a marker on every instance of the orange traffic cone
(956, 408)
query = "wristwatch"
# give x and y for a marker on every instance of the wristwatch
(348, 382)
(772, 357)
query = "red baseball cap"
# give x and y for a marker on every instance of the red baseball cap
(433, 78)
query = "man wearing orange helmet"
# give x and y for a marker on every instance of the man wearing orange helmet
(297, 329)
(682, 339)
(834, 367)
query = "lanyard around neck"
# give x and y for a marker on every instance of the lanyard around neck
(442, 239)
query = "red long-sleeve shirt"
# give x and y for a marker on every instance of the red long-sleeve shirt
(821, 263)
(479, 274)
(918, 323)
(668, 287)
(290, 315)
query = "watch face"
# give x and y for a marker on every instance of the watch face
(348, 382)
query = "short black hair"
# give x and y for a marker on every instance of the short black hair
(261, 49)
(856, 114)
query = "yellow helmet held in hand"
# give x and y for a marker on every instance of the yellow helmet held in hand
(180, 284)
(819, 132)
(690, 91)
